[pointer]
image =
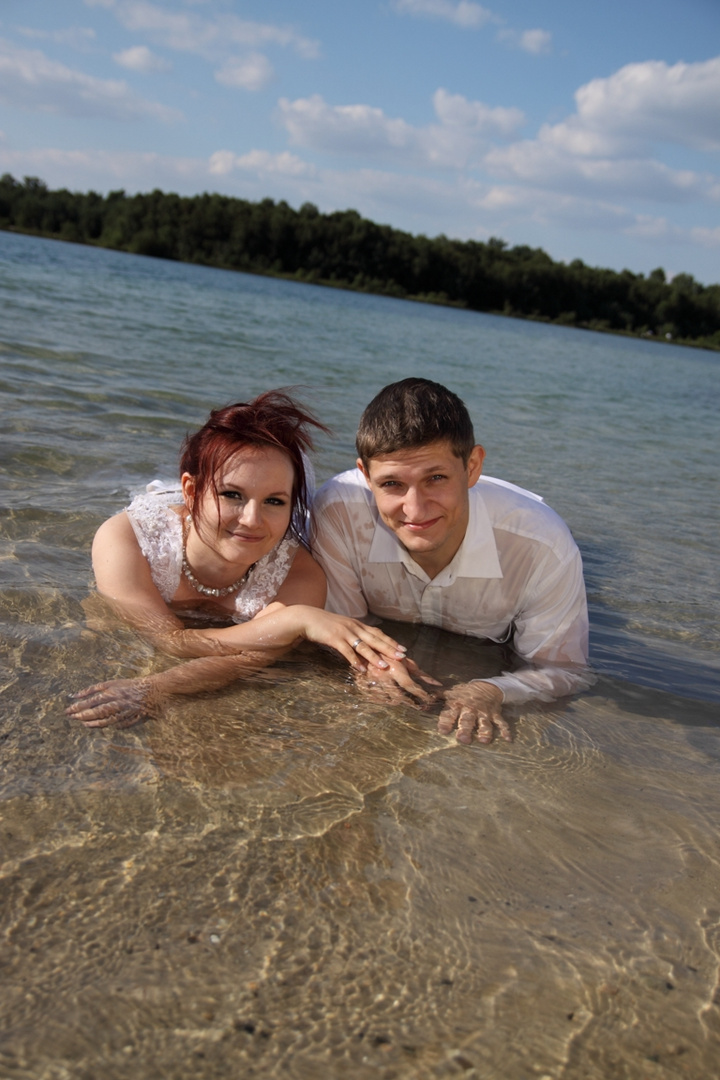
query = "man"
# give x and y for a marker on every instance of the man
(415, 534)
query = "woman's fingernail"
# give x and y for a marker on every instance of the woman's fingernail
(402, 648)
(382, 663)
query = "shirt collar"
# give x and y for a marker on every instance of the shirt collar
(476, 557)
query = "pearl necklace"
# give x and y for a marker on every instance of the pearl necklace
(206, 590)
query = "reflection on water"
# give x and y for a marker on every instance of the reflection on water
(284, 879)
(287, 880)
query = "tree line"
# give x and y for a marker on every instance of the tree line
(346, 250)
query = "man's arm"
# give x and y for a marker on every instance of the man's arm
(332, 536)
(551, 633)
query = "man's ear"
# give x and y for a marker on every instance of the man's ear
(475, 464)
(362, 469)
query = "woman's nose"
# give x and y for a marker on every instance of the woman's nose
(250, 513)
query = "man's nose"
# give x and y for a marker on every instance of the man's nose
(413, 505)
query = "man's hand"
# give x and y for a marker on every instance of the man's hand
(392, 685)
(474, 705)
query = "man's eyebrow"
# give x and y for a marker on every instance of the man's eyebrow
(392, 475)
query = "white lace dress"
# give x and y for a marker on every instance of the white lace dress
(159, 533)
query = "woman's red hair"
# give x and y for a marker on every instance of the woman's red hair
(272, 419)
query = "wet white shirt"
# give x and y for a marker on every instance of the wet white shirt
(517, 578)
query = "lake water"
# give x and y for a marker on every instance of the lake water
(282, 879)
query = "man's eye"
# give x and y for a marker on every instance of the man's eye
(438, 476)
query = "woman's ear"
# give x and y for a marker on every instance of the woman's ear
(188, 490)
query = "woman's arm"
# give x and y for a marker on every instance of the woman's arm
(124, 702)
(221, 655)
(123, 577)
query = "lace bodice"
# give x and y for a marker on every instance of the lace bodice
(159, 533)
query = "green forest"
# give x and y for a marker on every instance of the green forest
(345, 250)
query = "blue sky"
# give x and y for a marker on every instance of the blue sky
(590, 130)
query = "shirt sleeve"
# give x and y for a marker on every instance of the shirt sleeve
(331, 541)
(551, 632)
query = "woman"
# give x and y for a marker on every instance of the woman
(228, 544)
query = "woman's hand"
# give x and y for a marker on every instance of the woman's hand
(120, 702)
(359, 643)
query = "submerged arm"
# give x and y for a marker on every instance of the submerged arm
(124, 702)
(552, 632)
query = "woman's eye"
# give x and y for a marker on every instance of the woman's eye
(276, 502)
(230, 495)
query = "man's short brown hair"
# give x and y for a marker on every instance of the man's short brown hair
(412, 413)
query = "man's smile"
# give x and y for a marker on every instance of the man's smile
(419, 526)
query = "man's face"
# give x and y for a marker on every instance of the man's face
(422, 495)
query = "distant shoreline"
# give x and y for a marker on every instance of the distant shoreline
(345, 251)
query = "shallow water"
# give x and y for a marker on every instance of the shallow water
(284, 879)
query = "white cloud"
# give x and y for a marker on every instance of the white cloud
(706, 237)
(221, 39)
(462, 13)
(103, 170)
(652, 228)
(77, 37)
(208, 37)
(456, 111)
(546, 166)
(354, 129)
(251, 72)
(140, 58)
(530, 41)
(656, 102)
(30, 80)
(572, 137)
(224, 162)
(256, 174)
(514, 208)
(606, 147)
(535, 41)
(364, 130)
(660, 230)
(640, 105)
(471, 16)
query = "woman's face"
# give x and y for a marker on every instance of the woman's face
(253, 507)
